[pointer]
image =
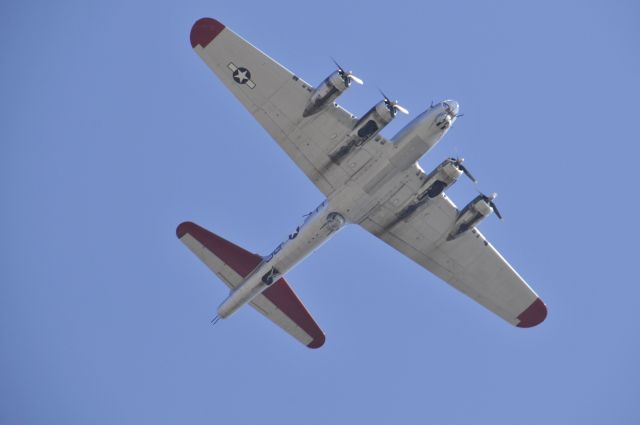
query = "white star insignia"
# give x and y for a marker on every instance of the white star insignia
(242, 76)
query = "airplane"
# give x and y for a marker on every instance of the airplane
(367, 180)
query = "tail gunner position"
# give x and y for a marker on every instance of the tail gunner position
(367, 180)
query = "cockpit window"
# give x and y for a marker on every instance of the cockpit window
(451, 106)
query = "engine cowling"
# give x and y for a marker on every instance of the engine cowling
(367, 127)
(476, 211)
(328, 91)
(443, 176)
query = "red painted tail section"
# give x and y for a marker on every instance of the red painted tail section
(244, 262)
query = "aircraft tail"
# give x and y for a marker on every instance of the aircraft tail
(231, 263)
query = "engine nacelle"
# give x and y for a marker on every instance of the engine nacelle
(367, 127)
(444, 175)
(471, 215)
(328, 91)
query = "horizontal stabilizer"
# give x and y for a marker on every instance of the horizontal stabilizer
(279, 303)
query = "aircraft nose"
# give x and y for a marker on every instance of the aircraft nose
(452, 106)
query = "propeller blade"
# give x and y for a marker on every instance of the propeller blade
(466, 172)
(349, 75)
(394, 105)
(338, 65)
(495, 209)
(401, 108)
(384, 96)
(356, 79)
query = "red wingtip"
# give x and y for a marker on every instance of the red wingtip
(204, 31)
(317, 342)
(183, 228)
(533, 315)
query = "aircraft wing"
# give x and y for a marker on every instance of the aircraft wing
(469, 263)
(276, 98)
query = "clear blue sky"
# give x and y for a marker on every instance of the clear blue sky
(113, 131)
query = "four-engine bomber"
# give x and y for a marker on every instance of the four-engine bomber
(374, 184)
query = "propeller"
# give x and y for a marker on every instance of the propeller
(347, 76)
(489, 200)
(393, 106)
(458, 163)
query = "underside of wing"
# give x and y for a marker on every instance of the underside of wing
(277, 99)
(283, 307)
(469, 263)
(232, 264)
